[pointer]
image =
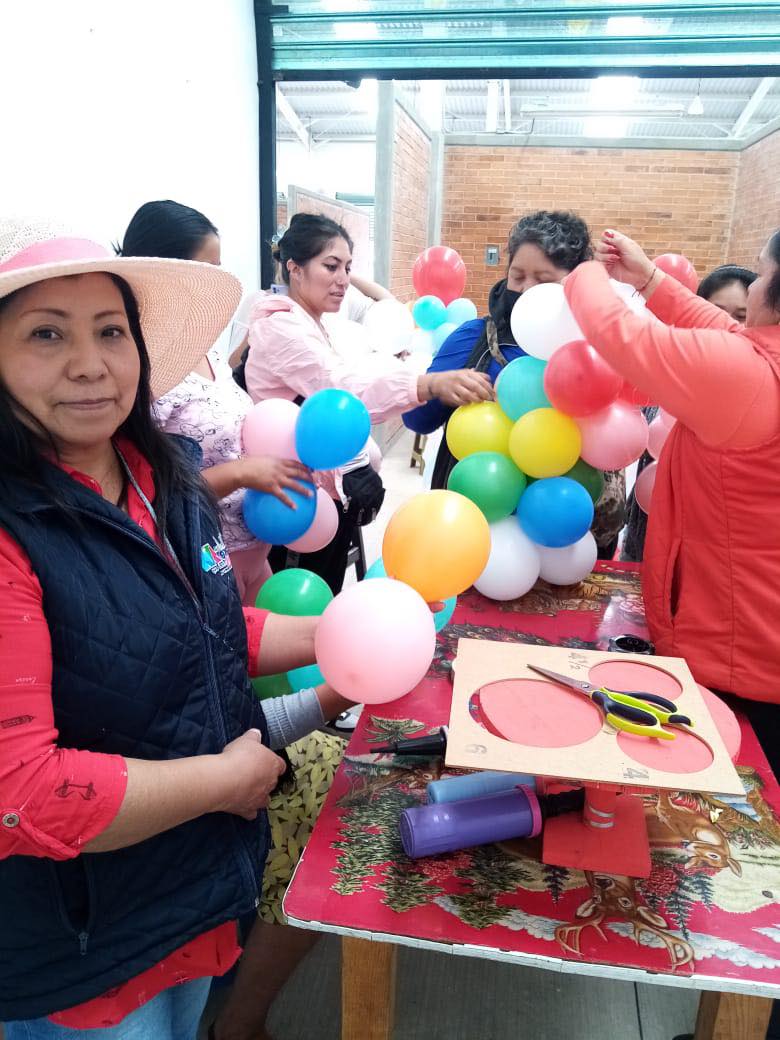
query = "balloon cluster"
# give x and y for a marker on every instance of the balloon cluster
(659, 430)
(532, 461)
(439, 277)
(329, 429)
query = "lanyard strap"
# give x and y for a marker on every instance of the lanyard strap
(170, 552)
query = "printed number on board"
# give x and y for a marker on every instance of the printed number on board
(475, 749)
(635, 774)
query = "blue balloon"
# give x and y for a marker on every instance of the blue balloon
(555, 511)
(429, 312)
(520, 387)
(306, 677)
(440, 618)
(461, 310)
(332, 428)
(272, 521)
(439, 335)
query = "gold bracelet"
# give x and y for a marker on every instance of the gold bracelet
(652, 276)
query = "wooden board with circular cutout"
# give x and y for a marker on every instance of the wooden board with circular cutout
(505, 716)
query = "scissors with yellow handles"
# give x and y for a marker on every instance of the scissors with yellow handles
(633, 711)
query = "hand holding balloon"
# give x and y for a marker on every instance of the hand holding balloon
(462, 386)
(624, 258)
(263, 473)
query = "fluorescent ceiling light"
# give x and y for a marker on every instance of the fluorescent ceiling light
(628, 25)
(613, 91)
(356, 30)
(605, 126)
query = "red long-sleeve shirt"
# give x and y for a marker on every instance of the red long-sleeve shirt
(53, 800)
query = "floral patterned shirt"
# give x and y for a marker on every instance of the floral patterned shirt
(212, 413)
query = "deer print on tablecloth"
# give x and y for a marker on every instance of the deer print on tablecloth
(614, 895)
(677, 824)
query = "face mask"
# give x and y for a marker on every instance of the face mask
(511, 296)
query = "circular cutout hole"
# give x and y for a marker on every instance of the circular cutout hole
(631, 675)
(685, 754)
(538, 714)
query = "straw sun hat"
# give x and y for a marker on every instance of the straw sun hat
(183, 305)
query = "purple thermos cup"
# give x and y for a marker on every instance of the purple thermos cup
(446, 826)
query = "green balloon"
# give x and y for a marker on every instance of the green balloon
(591, 479)
(491, 480)
(267, 686)
(295, 592)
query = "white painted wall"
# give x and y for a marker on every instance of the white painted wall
(346, 166)
(110, 104)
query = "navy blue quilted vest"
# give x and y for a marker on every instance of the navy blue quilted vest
(144, 669)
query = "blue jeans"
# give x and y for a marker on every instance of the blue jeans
(173, 1014)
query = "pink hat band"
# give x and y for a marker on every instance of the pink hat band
(53, 251)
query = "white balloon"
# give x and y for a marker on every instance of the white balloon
(542, 321)
(389, 325)
(421, 342)
(570, 564)
(513, 564)
(633, 300)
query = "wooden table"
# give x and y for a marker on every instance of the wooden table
(706, 918)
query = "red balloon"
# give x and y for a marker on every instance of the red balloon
(578, 381)
(634, 397)
(439, 271)
(643, 488)
(678, 267)
(658, 432)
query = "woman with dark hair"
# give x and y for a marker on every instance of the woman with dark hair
(711, 574)
(725, 287)
(208, 405)
(291, 355)
(543, 247)
(135, 760)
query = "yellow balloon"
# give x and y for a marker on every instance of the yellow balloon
(545, 443)
(437, 542)
(478, 427)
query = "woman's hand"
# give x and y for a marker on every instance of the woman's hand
(265, 473)
(462, 386)
(251, 770)
(625, 260)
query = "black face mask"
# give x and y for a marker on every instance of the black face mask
(511, 296)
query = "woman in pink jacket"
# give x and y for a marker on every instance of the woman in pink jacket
(711, 572)
(291, 356)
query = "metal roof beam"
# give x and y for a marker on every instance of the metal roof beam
(758, 96)
(292, 118)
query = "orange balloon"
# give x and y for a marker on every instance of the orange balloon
(437, 542)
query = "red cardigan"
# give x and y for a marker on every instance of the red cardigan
(32, 765)
(711, 574)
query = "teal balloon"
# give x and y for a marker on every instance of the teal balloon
(520, 387)
(266, 686)
(305, 678)
(461, 310)
(429, 312)
(440, 618)
(440, 334)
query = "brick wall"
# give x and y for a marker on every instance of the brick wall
(411, 169)
(668, 200)
(756, 201)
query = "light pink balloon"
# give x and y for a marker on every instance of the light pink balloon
(614, 437)
(375, 641)
(643, 489)
(666, 418)
(323, 526)
(269, 428)
(658, 431)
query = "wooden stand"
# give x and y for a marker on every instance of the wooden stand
(367, 989)
(610, 837)
(732, 1016)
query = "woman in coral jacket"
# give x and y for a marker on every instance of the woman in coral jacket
(711, 571)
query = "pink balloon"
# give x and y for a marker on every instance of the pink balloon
(323, 526)
(632, 396)
(643, 489)
(269, 428)
(666, 418)
(613, 438)
(375, 641)
(656, 437)
(578, 381)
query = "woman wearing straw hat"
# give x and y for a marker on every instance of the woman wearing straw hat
(135, 761)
